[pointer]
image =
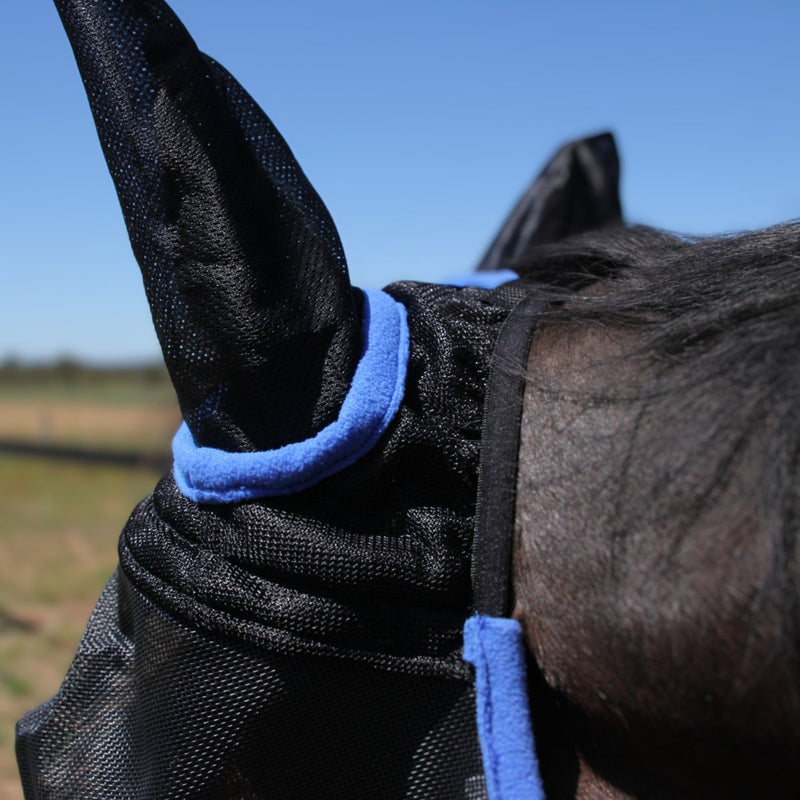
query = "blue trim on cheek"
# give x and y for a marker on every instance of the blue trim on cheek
(209, 475)
(494, 646)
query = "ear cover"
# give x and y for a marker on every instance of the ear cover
(576, 192)
(242, 264)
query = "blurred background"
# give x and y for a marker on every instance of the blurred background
(419, 124)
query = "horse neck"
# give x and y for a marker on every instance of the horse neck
(644, 682)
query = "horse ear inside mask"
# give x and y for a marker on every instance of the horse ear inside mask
(313, 604)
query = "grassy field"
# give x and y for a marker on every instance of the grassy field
(59, 525)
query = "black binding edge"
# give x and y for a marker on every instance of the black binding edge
(495, 513)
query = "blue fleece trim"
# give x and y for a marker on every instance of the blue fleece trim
(209, 475)
(495, 647)
(483, 280)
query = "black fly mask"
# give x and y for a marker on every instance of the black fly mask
(314, 603)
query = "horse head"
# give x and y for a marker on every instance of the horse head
(319, 601)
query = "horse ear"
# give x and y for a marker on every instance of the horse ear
(242, 265)
(577, 191)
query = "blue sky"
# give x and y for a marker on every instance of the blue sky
(419, 123)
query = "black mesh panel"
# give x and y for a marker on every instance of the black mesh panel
(154, 709)
(307, 646)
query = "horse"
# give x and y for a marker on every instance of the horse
(529, 537)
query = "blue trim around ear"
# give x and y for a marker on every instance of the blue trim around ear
(494, 646)
(488, 279)
(209, 475)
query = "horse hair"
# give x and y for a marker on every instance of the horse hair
(659, 592)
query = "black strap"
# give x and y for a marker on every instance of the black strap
(497, 475)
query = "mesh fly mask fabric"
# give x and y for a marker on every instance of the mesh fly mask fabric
(288, 617)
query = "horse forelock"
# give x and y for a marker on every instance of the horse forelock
(656, 564)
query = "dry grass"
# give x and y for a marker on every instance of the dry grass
(59, 525)
(143, 428)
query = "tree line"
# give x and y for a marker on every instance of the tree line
(67, 370)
